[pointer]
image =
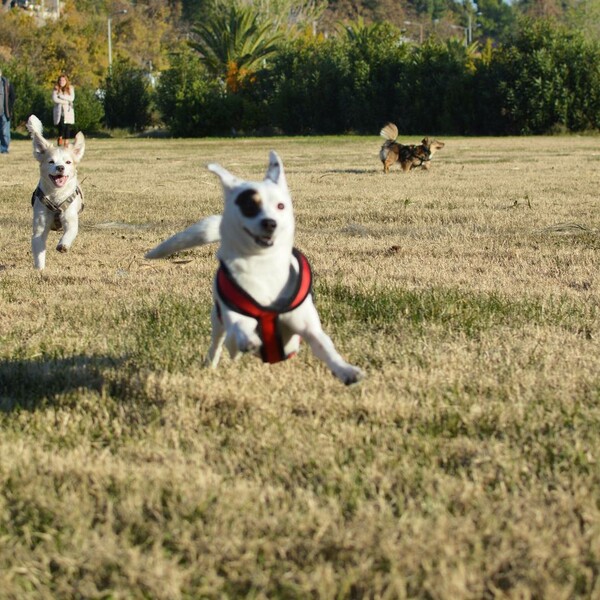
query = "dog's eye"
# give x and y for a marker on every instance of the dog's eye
(68, 162)
(51, 162)
(249, 202)
(281, 206)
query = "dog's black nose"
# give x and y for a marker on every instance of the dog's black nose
(60, 168)
(268, 225)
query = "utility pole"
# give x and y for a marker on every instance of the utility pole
(109, 28)
(469, 28)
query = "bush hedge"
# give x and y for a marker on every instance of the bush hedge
(547, 79)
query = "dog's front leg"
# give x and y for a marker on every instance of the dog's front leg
(322, 346)
(42, 218)
(70, 223)
(240, 334)
(217, 338)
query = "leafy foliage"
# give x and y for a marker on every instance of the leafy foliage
(89, 110)
(262, 67)
(188, 99)
(26, 86)
(127, 98)
(497, 18)
(235, 43)
(546, 78)
(310, 73)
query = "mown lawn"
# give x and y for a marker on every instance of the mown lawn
(465, 465)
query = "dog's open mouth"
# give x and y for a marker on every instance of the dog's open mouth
(264, 241)
(59, 180)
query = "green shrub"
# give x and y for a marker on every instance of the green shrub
(127, 97)
(310, 79)
(31, 97)
(548, 78)
(194, 103)
(89, 111)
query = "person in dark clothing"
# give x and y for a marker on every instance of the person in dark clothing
(7, 101)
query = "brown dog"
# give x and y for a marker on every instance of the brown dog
(409, 156)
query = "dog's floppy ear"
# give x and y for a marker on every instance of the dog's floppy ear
(40, 144)
(228, 180)
(275, 170)
(78, 147)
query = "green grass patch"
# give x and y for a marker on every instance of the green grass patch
(170, 334)
(453, 309)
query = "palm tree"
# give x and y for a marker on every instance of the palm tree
(235, 43)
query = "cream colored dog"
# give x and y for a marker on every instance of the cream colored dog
(262, 291)
(57, 200)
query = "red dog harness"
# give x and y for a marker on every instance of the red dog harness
(238, 300)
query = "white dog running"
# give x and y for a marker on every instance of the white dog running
(57, 200)
(262, 290)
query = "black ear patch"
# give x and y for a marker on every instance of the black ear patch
(249, 202)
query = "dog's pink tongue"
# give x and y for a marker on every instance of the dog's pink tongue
(59, 181)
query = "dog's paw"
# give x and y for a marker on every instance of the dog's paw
(62, 248)
(349, 375)
(238, 341)
(250, 343)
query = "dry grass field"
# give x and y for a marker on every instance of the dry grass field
(465, 466)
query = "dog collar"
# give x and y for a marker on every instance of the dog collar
(54, 207)
(238, 300)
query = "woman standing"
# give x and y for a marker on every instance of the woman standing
(63, 96)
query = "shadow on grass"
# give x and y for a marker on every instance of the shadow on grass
(28, 384)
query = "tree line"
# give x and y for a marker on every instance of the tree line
(546, 80)
(240, 70)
